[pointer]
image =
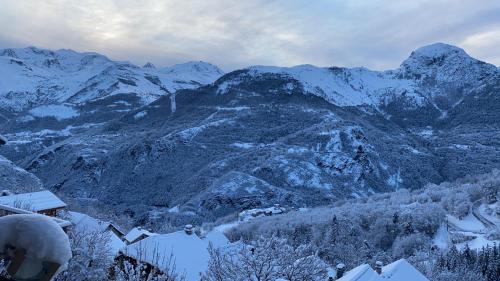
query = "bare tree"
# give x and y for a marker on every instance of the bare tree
(160, 267)
(265, 259)
(91, 256)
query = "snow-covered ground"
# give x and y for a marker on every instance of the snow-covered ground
(58, 111)
(468, 223)
(488, 212)
(442, 238)
(471, 226)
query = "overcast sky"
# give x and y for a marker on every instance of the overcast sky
(234, 34)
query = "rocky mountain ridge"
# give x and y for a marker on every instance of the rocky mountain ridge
(263, 135)
(32, 77)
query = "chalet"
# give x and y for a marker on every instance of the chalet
(396, 271)
(363, 272)
(189, 250)
(137, 234)
(41, 202)
(402, 270)
(8, 210)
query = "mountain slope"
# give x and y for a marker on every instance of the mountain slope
(16, 179)
(263, 135)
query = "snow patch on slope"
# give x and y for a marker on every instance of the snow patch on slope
(60, 112)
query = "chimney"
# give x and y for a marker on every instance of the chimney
(378, 267)
(340, 270)
(189, 229)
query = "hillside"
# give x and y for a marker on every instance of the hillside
(256, 136)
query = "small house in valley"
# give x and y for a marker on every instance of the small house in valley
(254, 213)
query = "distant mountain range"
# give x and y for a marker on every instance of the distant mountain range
(147, 139)
(33, 76)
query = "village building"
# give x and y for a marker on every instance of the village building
(6, 210)
(189, 250)
(137, 234)
(397, 271)
(41, 202)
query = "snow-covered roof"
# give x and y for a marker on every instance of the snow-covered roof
(35, 201)
(402, 270)
(399, 270)
(252, 213)
(189, 251)
(136, 232)
(363, 272)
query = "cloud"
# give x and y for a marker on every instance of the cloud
(484, 44)
(233, 34)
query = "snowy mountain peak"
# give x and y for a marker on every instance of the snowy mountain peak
(193, 66)
(202, 72)
(438, 50)
(64, 59)
(445, 63)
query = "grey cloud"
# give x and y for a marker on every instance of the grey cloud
(233, 34)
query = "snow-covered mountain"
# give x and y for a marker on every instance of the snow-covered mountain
(339, 86)
(444, 64)
(421, 80)
(254, 137)
(33, 77)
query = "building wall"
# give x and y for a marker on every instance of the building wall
(50, 212)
